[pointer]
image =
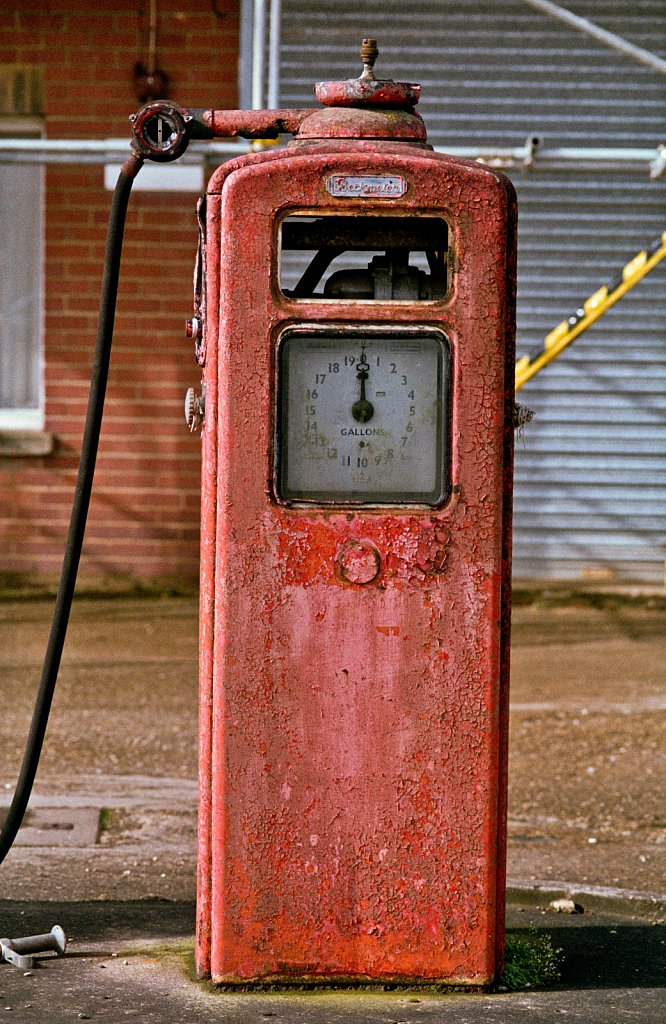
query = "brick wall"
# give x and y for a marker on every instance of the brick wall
(144, 513)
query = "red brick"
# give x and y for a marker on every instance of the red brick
(140, 517)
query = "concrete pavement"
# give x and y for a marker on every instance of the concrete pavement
(108, 850)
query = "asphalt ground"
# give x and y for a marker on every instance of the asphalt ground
(108, 849)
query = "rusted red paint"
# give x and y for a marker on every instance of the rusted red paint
(251, 124)
(350, 123)
(354, 663)
(312, 123)
(353, 92)
(367, 90)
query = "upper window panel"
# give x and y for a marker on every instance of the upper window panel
(364, 258)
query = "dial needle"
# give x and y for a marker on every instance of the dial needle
(362, 410)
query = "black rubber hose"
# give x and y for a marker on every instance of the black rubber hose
(77, 523)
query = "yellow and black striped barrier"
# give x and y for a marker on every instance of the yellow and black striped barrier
(590, 311)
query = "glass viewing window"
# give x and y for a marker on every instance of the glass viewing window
(368, 257)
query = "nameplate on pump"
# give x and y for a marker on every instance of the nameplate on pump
(366, 186)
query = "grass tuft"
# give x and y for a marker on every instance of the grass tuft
(531, 960)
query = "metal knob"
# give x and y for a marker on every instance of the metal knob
(369, 54)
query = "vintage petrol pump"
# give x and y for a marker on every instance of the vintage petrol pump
(354, 322)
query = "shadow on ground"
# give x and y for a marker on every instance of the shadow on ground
(602, 956)
(103, 921)
(598, 951)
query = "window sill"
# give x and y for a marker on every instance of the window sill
(26, 444)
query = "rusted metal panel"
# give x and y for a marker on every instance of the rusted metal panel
(354, 662)
(207, 355)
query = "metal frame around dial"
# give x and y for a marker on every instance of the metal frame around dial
(359, 499)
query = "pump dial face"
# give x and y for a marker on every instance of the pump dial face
(363, 417)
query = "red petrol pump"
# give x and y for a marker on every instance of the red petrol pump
(354, 321)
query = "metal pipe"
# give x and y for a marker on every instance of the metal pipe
(258, 46)
(616, 42)
(54, 941)
(273, 98)
(560, 158)
(45, 150)
(100, 151)
(96, 151)
(245, 54)
(152, 38)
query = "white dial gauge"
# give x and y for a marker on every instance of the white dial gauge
(363, 416)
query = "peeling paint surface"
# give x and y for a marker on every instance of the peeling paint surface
(353, 661)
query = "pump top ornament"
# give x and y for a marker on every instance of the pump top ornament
(353, 321)
(366, 90)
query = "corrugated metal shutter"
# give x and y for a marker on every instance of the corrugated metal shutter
(591, 476)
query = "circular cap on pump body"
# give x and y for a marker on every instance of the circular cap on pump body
(365, 107)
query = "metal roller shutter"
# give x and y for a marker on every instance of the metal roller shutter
(591, 472)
